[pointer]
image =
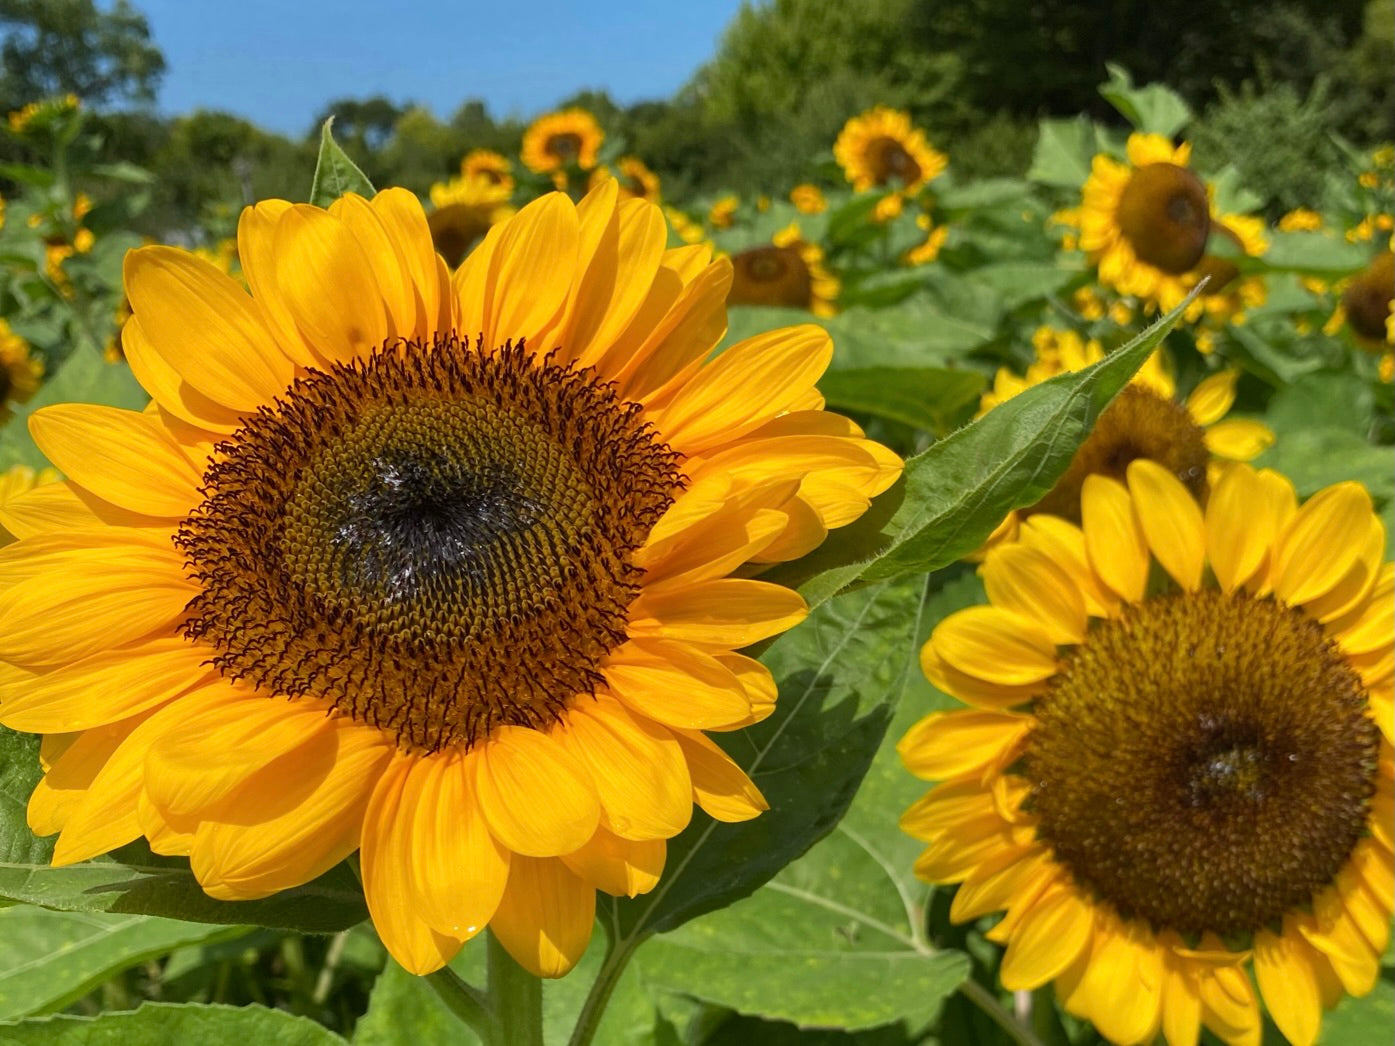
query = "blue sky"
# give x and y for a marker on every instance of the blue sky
(277, 62)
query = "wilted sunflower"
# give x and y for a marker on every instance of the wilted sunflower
(1191, 438)
(489, 166)
(463, 210)
(434, 569)
(881, 148)
(788, 272)
(1145, 223)
(557, 141)
(20, 373)
(636, 180)
(1167, 784)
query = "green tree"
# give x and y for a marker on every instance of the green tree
(59, 46)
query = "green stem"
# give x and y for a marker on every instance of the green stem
(588, 1022)
(465, 1001)
(516, 999)
(993, 1010)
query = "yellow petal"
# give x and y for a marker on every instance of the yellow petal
(384, 258)
(71, 769)
(537, 799)
(994, 883)
(673, 348)
(720, 787)
(62, 506)
(1024, 581)
(545, 918)
(638, 769)
(971, 689)
(1171, 521)
(1181, 1009)
(1333, 931)
(947, 744)
(1241, 520)
(531, 271)
(168, 387)
(1284, 971)
(620, 867)
(675, 684)
(1321, 542)
(405, 222)
(1371, 627)
(1121, 989)
(1114, 541)
(1238, 439)
(726, 613)
(1212, 397)
(995, 645)
(617, 282)
(1048, 940)
(123, 456)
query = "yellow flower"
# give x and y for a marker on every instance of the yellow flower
(1068, 220)
(1177, 770)
(888, 207)
(789, 272)
(686, 229)
(636, 180)
(924, 253)
(20, 373)
(1366, 304)
(1145, 223)
(808, 199)
(463, 210)
(880, 147)
(723, 212)
(560, 140)
(1369, 227)
(45, 108)
(1228, 294)
(1145, 420)
(1300, 220)
(436, 569)
(488, 166)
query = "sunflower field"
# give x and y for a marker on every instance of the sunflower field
(894, 608)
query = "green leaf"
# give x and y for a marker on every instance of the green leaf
(1365, 1021)
(335, 173)
(52, 958)
(163, 1024)
(1313, 252)
(1018, 283)
(1154, 109)
(983, 192)
(1063, 153)
(134, 881)
(1316, 458)
(405, 1010)
(837, 938)
(929, 398)
(1325, 399)
(954, 494)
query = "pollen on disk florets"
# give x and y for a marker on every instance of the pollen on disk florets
(436, 539)
(1204, 762)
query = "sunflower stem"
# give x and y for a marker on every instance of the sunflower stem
(515, 997)
(994, 1011)
(588, 1022)
(467, 1002)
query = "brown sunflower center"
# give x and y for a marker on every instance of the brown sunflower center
(436, 539)
(1222, 271)
(1140, 423)
(770, 276)
(565, 147)
(890, 160)
(1204, 762)
(491, 175)
(455, 228)
(1367, 300)
(1164, 214)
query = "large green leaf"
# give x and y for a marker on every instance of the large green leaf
(404, 1010)
(954, 494)
(1313, 252)
(335, 173)
(1063, 152)
(1154, 109)
(160, 1024)
(1365, 1021)
(134, 881)
(52, 958)
(929, 398)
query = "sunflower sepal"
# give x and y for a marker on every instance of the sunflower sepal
(335, 173)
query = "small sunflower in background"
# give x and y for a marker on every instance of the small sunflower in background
(20, 373)
(434, 568)
(488, 166)
(927, 251)
(1177, 769)
(808, 199)
(1228, 294)
(1191, 439)
(722, 213)
(880, 148)
(636, 180)
(1366, 303)
(462, 211)
(558, 141)
(1145, 223)
(788, 272)
(685, 228)
(1301, 219)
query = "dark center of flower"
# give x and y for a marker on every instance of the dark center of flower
(1368, 297)
(889, 161)
(455, 228)
(566, 147)
(436, 539)
(1164, 214)
(490, 175)
(6, 386)
(770, 276)
(1140, 423)
(1204, 762)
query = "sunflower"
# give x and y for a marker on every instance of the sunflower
(557, 141)
(1228, 293)
(20, 373)
(463, 210)
(722, 213)
(1145, 223)
(434, 569)
(1193, 438)
(1168, 784)
(808, 199)
(1300, 219)
(927, 251)
(1366, 304)
(636, 180)
(488, 166)
(788, 272)
(880, 147)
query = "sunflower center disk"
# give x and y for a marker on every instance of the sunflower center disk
(436, 539)
(1139, 423)
(890, 160)
(1166, 217)
(770, 276)
(1204, 762)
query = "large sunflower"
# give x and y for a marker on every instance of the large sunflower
(434, 569)
(557, 141)
(788, 272)
(881, 148)
(20, 373)
(1145, 223)
(1178, 765)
